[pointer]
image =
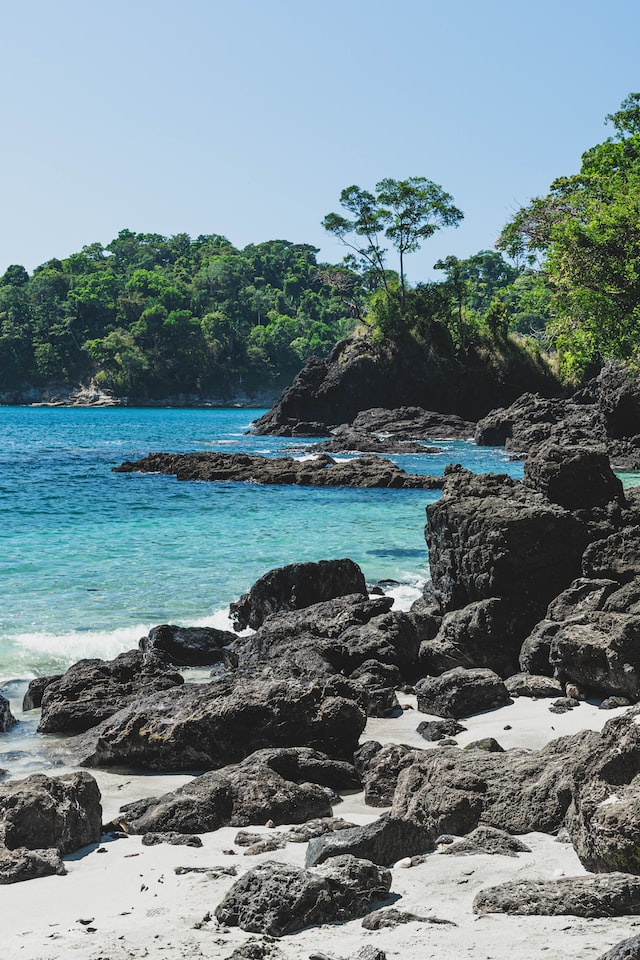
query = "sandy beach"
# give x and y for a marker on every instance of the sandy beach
(125, 900)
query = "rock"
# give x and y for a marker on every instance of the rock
(7, 719)
(346, 439)
(533, 420)
(368, 952)
(490, 536)
(254, 949)
(277, 898)
(24, 864)
(536, 648)
(379, 768)
(283, 786)
(625, 950)
(384, 841)
(392, 917)
(531, 685)
(413, 423)
(521, 791)
(205, 726)
(360, 374)
(33, 697)
(485, 839)
(600, 654)
(488, 744)
(321, 471)
(93, 690)
(577, 478)
(487, 633)
(611, 703)
(60, 812)
(187, 646)
(461, 693)
(618, 398)
(172, 838)
(582, 596)
(602, 819)
(608, 895)
(391, 638)
(294, 587)
(434, 730)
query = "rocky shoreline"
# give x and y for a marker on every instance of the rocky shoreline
(533, 598)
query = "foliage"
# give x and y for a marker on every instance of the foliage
(154, 316)
(588, 231)
(405, 212)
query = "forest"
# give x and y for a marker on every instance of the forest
(154, 317)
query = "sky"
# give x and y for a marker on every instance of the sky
(248, 117)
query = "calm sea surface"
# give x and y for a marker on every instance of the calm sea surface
(90, 559)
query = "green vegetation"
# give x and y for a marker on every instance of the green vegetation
(587, 232)
(155, 316)
(151, 316)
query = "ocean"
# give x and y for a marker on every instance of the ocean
(92, 559)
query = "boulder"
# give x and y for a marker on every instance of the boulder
(206, 726)
(278, 898)
(532, 421)
(600, 653)
(434, 730)
(490, 536)
(384, 841)
(294, 587)
(346, 439)
(7, 719)
(576, 478)
(530, 685)
(487, 840)
(33, 697)
(461, 693)
(92, 690)
(625, 950)
(616, 557)
(608, 895)
(288, 785)
(521, 791)
(24, 864)
(379, 768)
(187, 646)
(60, 812)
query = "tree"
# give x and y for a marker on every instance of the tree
(588, 231)
(405, 212)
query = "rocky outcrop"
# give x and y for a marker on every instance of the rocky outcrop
(379, 768)
(611, 895)
(349, 440)
(207, 726)
(460, 693)
(187, 646)
(294, 587)
(287, 785)
(625, 950)
(92, 690)
(321, 471)
(277, 898)
(413, 423)
(576, 478)
(359, 375)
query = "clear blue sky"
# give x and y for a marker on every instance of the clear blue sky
(248, 117)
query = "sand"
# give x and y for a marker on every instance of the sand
(124, 900)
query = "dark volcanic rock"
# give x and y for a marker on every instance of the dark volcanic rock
(284, 786)
(521, 791)
(320, 471)
(461, 693)
(384, 841)
(23, 864)
(205, 726)
(277, 898)
(92, 690)
(7, 719)
(617, 557)
(600, 653)
(187, 646)
(489, 840)
(625, 950)
(61, 812)
(294, 587)
(610, 895)
(530, 685)
(434, 730)
(533, 420)
(379, 768)
(359, 375)
(33, 697)
(490, 536)
(413, 423)
(347, 440)
(577, 478)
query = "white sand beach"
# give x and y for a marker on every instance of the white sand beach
(125, 900)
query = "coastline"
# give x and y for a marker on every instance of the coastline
(88, 396)
(121, 899)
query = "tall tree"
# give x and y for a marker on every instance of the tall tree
(405, 212)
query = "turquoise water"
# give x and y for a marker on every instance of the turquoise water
(90, 560)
